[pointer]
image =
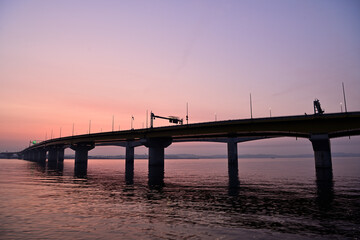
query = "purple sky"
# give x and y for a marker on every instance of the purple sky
(68, 62)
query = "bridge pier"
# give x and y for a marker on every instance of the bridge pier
(56, 155)
(60, 153)
(156, 150)
(232, 152)
(156, 159)
(81, 157)
(129, 163)
(322, 153)
(26, 155)
(32, 155)
(41, 155)
(52, 156)
(233, 170)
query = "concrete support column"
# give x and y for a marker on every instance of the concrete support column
(28, 155)
(232, 152)
(129, 163)
(156, 150)
(52, 157)
(81, 156)
(233, 166)
(129, 157)
(56, 154)
(41, 153)
(33, 155)
(156, 156)
(156, 159)
(60, 153)
(322, 153)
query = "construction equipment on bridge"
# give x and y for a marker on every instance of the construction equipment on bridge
(172, 119)
(317, 108)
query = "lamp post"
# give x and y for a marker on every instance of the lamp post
(251, 107)
(112, 123)
(344, 97)
(341, 107)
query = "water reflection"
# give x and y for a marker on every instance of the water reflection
(129, 173)
(233, 181)
(80, 170)
(273, 203)
(40, 167)
(325, 187)
(156, 176)
(57, 167)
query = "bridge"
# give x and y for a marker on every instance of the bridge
(318, 128)
(9, 155)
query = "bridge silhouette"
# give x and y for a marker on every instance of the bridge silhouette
(318, 128)
(9, 155)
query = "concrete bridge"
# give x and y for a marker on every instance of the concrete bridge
(9, 155)
(319, 129)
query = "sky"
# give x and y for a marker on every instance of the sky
(71, 62)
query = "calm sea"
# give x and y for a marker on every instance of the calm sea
(272, 199)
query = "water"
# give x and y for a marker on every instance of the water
(274, 198)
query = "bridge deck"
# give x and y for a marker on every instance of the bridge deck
(334, 125)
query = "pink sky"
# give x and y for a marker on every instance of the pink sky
(69, 62)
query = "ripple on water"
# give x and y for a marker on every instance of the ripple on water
(194, 202)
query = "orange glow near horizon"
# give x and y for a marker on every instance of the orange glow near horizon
(65, 63)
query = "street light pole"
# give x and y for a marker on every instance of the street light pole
(112, 123)
(344, 97)
(251, 107)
